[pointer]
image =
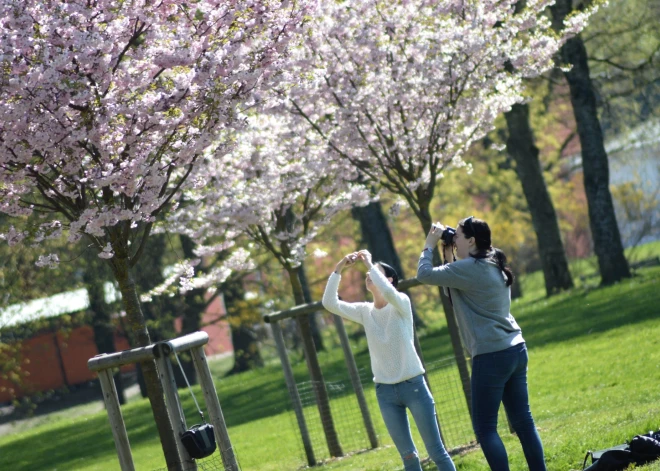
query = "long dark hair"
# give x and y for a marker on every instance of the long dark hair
(389, 273)
(479, 229)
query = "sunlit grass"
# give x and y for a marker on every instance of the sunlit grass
(594, 377)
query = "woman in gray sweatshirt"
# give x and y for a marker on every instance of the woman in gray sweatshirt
(478, 283)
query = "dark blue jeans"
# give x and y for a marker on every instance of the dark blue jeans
(414, 394)
(502, 377)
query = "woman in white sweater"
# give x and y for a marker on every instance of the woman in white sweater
(398, 371)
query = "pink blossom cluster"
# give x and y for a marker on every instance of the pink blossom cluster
(279, 185)
(106, 106)
(403, 88)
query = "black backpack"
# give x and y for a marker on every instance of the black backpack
(642, 449)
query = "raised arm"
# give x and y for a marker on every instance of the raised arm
(350, 311)
(393, 296)
(451, 275)
(396, 298)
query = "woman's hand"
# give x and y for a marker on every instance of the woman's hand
(365, 256)
(347, 261)
(434, 236)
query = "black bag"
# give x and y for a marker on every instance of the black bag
(641, 450)
(645, 449)
(612, 460)
(199, 440)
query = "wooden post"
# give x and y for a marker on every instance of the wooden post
(195, 343)
(355, 380)
(293, 392)
(213, 407)
(116, 420)
(113, 360)
(174, 409)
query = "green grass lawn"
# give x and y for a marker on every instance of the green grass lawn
(594, 379)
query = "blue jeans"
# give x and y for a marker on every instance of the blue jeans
(502, 377)
(413, 394)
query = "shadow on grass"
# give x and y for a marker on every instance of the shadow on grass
(587, 311)
(573, 314)
(64, 445)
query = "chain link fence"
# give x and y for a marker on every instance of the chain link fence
(271, 399)
(447, 391)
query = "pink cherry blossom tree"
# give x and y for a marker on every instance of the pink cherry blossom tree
(279, 186)
(106, 108)
(402, 89)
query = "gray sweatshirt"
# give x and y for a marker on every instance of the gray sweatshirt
(481, 300)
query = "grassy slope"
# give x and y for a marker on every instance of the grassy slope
(594, 377)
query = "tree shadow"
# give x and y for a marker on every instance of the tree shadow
(586, 311)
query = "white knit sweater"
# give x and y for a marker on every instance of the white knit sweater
(389, 330)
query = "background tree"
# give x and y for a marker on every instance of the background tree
(623, 45)
(242, 314)
(403, 89)
(612, 263)
(522, 147)
(23, 280)
(278, 187)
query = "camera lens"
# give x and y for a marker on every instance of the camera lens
(448, 235)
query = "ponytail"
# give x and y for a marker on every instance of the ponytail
(500, 258)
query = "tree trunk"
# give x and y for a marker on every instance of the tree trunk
(190, 323)
(378, 237)
(246, 347)
(452, 325)
(192, 309)
(102, 325)
(137, 330)
(149, 274)
(516, 289)
(313, 317)
(595, 167)
(318, 383)
(521, 146)
(246, 350)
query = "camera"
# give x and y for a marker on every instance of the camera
(448, 235)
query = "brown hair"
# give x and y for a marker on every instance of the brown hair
(389, 273)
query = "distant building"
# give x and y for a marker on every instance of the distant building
(634, 160)
(53, 358)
